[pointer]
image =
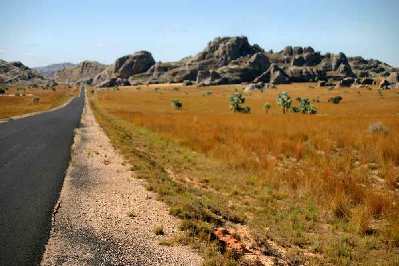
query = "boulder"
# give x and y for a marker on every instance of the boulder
(308, 49)
(312, 59)
(89, 81)
(244, 69)
(206, 78)
(109, 83)
(298, 60)
(258, 62)
(273, 75)
(288, 51)
(367, 81)
(304, 74)
(393, 78)
(122, 82)
(221, 51)
(250, 87)
(322, 83)
(384, 84)
(297, 50)
(338, 60)
(129, 65)
(345, 70)
(346, 82)
(187, 83)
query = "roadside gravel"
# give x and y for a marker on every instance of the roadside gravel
(105, 216)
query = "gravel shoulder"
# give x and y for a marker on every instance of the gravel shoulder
(91, 223)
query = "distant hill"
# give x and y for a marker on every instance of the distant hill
(48, 71)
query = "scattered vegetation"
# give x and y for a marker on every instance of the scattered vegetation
(335, 99)
(304, 106)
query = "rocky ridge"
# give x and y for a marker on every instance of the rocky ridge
(231, 60)
(227, 60)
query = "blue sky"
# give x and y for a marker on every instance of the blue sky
(39, 32)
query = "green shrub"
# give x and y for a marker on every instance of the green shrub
(177, 104)
(335, 99)
(235, 103)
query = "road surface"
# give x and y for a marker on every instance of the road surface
(34, 154)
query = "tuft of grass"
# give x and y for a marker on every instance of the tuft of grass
(158, 230)
(131, 214)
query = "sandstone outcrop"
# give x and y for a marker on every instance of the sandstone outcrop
(16, 72)
(78, 73)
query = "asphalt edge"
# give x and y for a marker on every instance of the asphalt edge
(68, 169)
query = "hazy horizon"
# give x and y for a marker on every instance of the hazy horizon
(40, 33)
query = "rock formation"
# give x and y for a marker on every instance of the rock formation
(231, 60)
(78, 73)
(13, 72)
(125, 67)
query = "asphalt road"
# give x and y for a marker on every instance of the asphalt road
(34, 155)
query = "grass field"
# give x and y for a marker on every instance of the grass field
(321, 186)
(11, 105)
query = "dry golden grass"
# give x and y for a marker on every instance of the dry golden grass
(19, 105)
(330, 178)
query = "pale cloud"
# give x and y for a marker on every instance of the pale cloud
(3, 51)
(28, 54)
(100, 45)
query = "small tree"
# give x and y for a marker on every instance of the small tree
(2, 91)
(177, 104)
(284, 100)
(335, 99)
(266, 107)
(235, 103)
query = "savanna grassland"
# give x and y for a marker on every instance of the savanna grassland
(323, 188)
(12, 105)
